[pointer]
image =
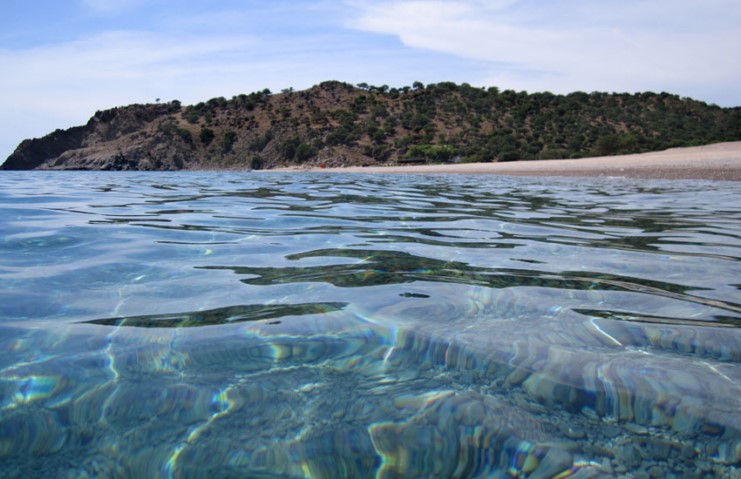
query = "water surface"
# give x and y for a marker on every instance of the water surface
(314, 325)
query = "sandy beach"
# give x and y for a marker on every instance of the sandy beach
(720, 161)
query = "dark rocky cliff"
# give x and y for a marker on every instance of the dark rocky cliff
(336, 124)
(31, 154)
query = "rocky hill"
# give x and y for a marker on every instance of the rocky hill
(336, 124)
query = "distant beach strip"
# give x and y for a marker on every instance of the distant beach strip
(720, 161)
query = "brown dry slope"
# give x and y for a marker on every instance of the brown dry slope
(337, 124)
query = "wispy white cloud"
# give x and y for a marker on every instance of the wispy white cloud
(110, 68)
(62, 84)
(111, 6)
(575, 45)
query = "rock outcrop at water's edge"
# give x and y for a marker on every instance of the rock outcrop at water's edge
(336, 124)
(119, 139)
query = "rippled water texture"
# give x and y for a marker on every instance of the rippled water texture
(265, 325)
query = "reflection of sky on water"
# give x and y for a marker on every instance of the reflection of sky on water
(324, 326)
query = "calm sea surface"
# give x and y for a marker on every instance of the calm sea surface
(324, 326)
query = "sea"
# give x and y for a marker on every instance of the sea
(319, 325)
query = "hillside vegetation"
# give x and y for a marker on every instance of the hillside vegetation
(337, 124)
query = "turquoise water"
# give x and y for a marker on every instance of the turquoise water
(316, 325)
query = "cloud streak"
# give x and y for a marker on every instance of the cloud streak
(573, 45)
(190, 58)
(111, 6)
(65, 83)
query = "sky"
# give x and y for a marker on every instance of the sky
(61, 60)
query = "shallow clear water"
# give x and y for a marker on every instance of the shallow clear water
(299, 325)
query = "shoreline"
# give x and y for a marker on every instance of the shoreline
(718, 161)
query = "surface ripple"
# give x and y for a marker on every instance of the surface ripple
(316, 325)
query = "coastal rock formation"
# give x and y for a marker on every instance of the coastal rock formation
(337, 124)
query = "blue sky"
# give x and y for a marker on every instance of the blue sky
(63, 60)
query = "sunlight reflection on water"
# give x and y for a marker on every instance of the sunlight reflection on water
(309, 325)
